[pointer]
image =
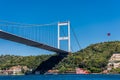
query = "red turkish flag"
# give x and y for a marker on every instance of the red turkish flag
(108, 34)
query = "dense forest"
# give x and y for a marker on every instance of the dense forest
(7, 61)
(93, 58)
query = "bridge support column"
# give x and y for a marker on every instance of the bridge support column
(61, 24)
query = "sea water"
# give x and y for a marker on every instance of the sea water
(63, 77)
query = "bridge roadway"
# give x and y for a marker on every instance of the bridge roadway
(15, 38)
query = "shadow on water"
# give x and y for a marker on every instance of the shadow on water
(49, 64)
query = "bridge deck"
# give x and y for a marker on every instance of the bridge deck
(15, 38)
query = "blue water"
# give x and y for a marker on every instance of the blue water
(63, 77)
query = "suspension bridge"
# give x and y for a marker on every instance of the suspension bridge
(53, 37)
(40, 36)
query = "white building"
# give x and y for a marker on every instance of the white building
(114, 61)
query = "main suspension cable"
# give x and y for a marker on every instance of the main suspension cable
(75, 37)
(27, 25)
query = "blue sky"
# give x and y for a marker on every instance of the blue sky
(91, 20)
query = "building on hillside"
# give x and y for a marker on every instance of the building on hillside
(52, 72)
(115, 57)
(17, 69)
(14, 70)
(81, 71)
(114, 61)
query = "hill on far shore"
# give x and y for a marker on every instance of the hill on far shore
(93, 58)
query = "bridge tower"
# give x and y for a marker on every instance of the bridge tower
(60, 38)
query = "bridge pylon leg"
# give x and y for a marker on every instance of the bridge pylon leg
(60, 38)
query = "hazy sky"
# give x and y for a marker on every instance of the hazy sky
(91, 20)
